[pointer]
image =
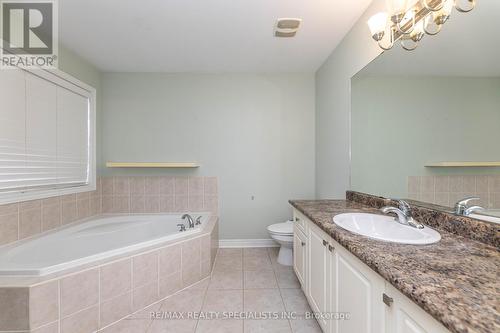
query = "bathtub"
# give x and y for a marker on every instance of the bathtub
(96, 239)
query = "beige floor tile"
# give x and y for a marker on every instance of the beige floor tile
(173, 326)
(295, 301)
(256, 300)
(220, 326)
(228, 263)
(264, 279)
(273, 255)
(223, 301)
(305, 326)
(229, 252)
(50, 328)
(226, 280)
(129, 325)
(267, 326)
(202, 285)
(257, 263)
(255, 252)
(286, 278)
(189, 300)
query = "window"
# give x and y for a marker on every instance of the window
(47, 139)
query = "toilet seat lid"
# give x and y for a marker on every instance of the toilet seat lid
(281, 228)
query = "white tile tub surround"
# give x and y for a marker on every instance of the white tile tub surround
(447, 190)
(101, 296)
(159, 194)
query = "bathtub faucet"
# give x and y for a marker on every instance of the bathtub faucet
(190, 220)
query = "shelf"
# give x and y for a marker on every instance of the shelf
(152, 165)
(463, 164)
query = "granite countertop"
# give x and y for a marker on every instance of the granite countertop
(454, 280)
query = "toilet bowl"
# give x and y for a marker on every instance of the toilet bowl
(282, 233)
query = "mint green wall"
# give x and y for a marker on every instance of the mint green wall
(255, 132)
(401, 123)
(71, 63)
(333, 98)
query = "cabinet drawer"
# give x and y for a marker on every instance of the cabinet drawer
(300, 220)
(299, 255)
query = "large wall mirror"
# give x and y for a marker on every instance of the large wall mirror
(418, 116)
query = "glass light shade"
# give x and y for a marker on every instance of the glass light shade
(377, 23)
(447, 7)
(419, 27)
(397, 6)
(418, 31)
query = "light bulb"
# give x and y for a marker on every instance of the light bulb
(377, 24)
(397, 6)
(447, 7)
(419, 27)
(419, 31)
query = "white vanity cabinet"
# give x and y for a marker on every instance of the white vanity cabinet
(336, 282)
(318, 273)
(404, 316)
(356, 290)
(299, 258)
(300, 249)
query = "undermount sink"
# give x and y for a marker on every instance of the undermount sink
(385, 228)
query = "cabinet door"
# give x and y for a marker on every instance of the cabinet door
(404, 316)
(318, 273)
(299, 256)
(356, 291)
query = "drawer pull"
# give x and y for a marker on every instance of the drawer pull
(303, 243)
(325, 243)
(387, 300)
(331, 248)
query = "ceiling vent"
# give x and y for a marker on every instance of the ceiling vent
(287, 27)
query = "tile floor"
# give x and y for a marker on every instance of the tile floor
(243, 280)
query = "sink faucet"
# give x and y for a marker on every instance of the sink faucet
(462, 206)
(403, 213)
(190, 220)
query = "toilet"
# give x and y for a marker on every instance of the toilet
(282, 233)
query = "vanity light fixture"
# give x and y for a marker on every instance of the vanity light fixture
(409, 21)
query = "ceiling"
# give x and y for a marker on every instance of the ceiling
(204, 35)
(468, 45)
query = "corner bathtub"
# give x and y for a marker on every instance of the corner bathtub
(96, 239)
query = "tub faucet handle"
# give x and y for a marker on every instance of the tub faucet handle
(198, 220)
(190, 220)
(182, 226)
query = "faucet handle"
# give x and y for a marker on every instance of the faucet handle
(404, 207)
(461, 206)
(473, 209)
(182, 226)
(198, 220)
(465, 201)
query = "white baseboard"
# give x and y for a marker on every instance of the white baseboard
(231, 243)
